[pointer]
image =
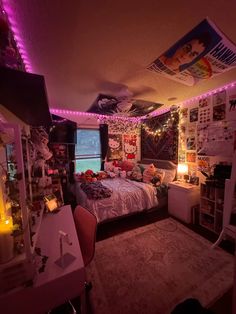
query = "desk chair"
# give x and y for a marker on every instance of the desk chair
(86, 226)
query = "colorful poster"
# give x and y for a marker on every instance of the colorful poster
(202, 53)
(115, 147)
(203, 163)
(190, 157)
(191, 143)
(181, 156)
(130, 146)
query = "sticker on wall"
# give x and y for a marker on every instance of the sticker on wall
(115, 147)
(130, 146)
(193, 115)
(190, 157)
(202, 53)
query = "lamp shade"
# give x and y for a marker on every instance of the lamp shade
(182, 169)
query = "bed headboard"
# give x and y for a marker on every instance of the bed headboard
(163, 164)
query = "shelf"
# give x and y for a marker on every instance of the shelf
(205, 212)
(209, 227)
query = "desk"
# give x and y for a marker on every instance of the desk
(55, 285)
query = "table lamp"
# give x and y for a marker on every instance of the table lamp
(182, 169)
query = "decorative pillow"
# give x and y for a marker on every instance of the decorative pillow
(123, 174)
(136, 174)
(169, 175)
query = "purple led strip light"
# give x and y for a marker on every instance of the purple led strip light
(10, 15)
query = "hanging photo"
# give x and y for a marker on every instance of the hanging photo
(190, 157)
(191, 143)
(181, 156)
(115, 147)
(193, 115)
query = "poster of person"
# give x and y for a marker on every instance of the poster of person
(190, 157)
(193, 115)
(191, 143)
(122, 107)
(130, 146)
(202, 53)
(114, 147)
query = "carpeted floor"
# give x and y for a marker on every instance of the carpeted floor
(152, 268)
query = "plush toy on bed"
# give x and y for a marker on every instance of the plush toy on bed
(149, 173)
(136, 174)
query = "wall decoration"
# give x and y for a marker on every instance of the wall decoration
(193, 115)
(190, 157)
(130, 146)
(125, 107)
(159, 137)
(231, 107)
(219, 106)
(203, 163)
(115, 147)
(201, 54)
(191, 143)
(183, 114)
(120, 125)
(181, 156)
(205, 110)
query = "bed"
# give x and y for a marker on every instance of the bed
(127, 196)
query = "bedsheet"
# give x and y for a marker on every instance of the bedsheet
(127, 197)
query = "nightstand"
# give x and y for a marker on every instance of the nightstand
(181, 197)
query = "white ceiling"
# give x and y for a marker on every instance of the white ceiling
(86, 47)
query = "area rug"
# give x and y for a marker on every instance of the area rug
(151, 269)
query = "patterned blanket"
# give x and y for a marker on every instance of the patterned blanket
(96, 190)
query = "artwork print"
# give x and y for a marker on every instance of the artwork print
(231, 108)
(219, 106)
(125, 107)
(190, 157)
(114, 147)
(204, 110)
(202, 53)
(130, 146)
(191, 143)
(193, 115)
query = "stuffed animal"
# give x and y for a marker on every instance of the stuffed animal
(136, 173)
(149, 173)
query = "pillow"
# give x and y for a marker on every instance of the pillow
(169, 175)
(108, 166)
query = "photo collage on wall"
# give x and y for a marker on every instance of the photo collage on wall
(208, 128)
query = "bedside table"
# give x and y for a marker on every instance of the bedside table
(181, 197)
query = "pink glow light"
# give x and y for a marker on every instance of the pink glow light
(10, 15)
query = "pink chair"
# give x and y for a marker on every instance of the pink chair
(86, 226)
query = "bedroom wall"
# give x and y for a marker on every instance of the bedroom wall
(207, 130)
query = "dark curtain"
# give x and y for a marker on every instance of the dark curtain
(103, 128)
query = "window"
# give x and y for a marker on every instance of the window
(87, 150)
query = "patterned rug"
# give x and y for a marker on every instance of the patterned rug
(151, 269)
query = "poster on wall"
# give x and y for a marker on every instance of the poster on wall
(231, 108)
(191, 143)
(114, 147)
(219, 106)
(181, 156)
(130, 146)
(202, 53)
(190, 157)
(193, 115)
(205, 110)
(203, 163)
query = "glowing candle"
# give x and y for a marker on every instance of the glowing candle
(6, 240)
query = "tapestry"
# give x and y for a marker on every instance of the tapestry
(130, 146)
(202, 53)
(162, 144)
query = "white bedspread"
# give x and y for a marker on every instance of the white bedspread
(127, 197)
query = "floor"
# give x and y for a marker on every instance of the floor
(105, 230)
